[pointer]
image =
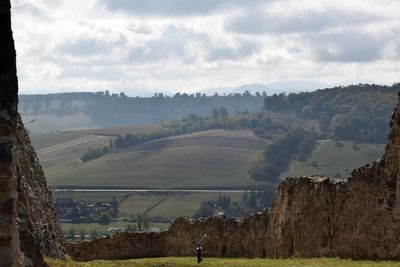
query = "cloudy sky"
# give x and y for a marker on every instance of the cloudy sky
(146, 46)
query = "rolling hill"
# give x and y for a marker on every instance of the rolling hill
(208, 159)
(336, 159)
(215, 158)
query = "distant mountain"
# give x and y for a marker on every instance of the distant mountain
(291, 86)
(281, 86)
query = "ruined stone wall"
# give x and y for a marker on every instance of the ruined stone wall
(310, 217)
(120, 246)
(40, 232)
(359, 218)
(225, 238)
(9, 238)
(24, 196)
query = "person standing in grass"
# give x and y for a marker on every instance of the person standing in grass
(199, 253)
(199, 249)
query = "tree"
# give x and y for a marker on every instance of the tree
(215, 113)
(94, 234)
(206, 209)
(262, 170)
(131, 228)
(71, 233)
(111, 144)
(245, 196)
(223, 113)
(142, 222)
(104, 218)
(82, 234)
(114, 206)
(252, 203)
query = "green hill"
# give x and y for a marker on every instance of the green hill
(215, 158)
(336, 159)
(44, 140)
(356, 112)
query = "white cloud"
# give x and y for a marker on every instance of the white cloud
(175, 7)
(185, 45)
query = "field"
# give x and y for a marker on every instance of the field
(332, 159)
(46, 122)
(191, 261)
(44, 140)
(90, 197)
(216, 158)
(101, 228)
(156, 206)
(165, 205)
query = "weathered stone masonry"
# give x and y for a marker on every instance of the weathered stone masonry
(226, 238)
(9, 238)
(310, 217)
(24, 196)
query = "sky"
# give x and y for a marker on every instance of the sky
(145, 46)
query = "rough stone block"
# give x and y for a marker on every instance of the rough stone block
(5, 240)
(6, 185)
(6, 152)
(8, 207)
(5, 172)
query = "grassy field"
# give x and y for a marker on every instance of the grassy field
(155, 205)
(90, 197)
(44, 123)
(191, 261)
(329, 159)
(44, 140)
(165, 205)
(215, 158)
(100, 228)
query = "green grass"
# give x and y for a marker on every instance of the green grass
(167, 168)
(191, 261)
(88, 227)
(44, 123)
(168, 206)
(138, 203)
(215, 158)
(155, 205)
(44, 140)
(210, 159)
(90, 196)
(331, 159)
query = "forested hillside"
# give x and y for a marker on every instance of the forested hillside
(102, 109)
(356, 112)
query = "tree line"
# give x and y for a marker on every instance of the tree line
(356, 112)
(107, 110)
(251, 201)
(276, 157)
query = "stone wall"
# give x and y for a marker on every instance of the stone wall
(310, 217)
(120, 246)
(358, 218)
(40, 232)
(9, 238)
(225, 238)
(24, 196)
